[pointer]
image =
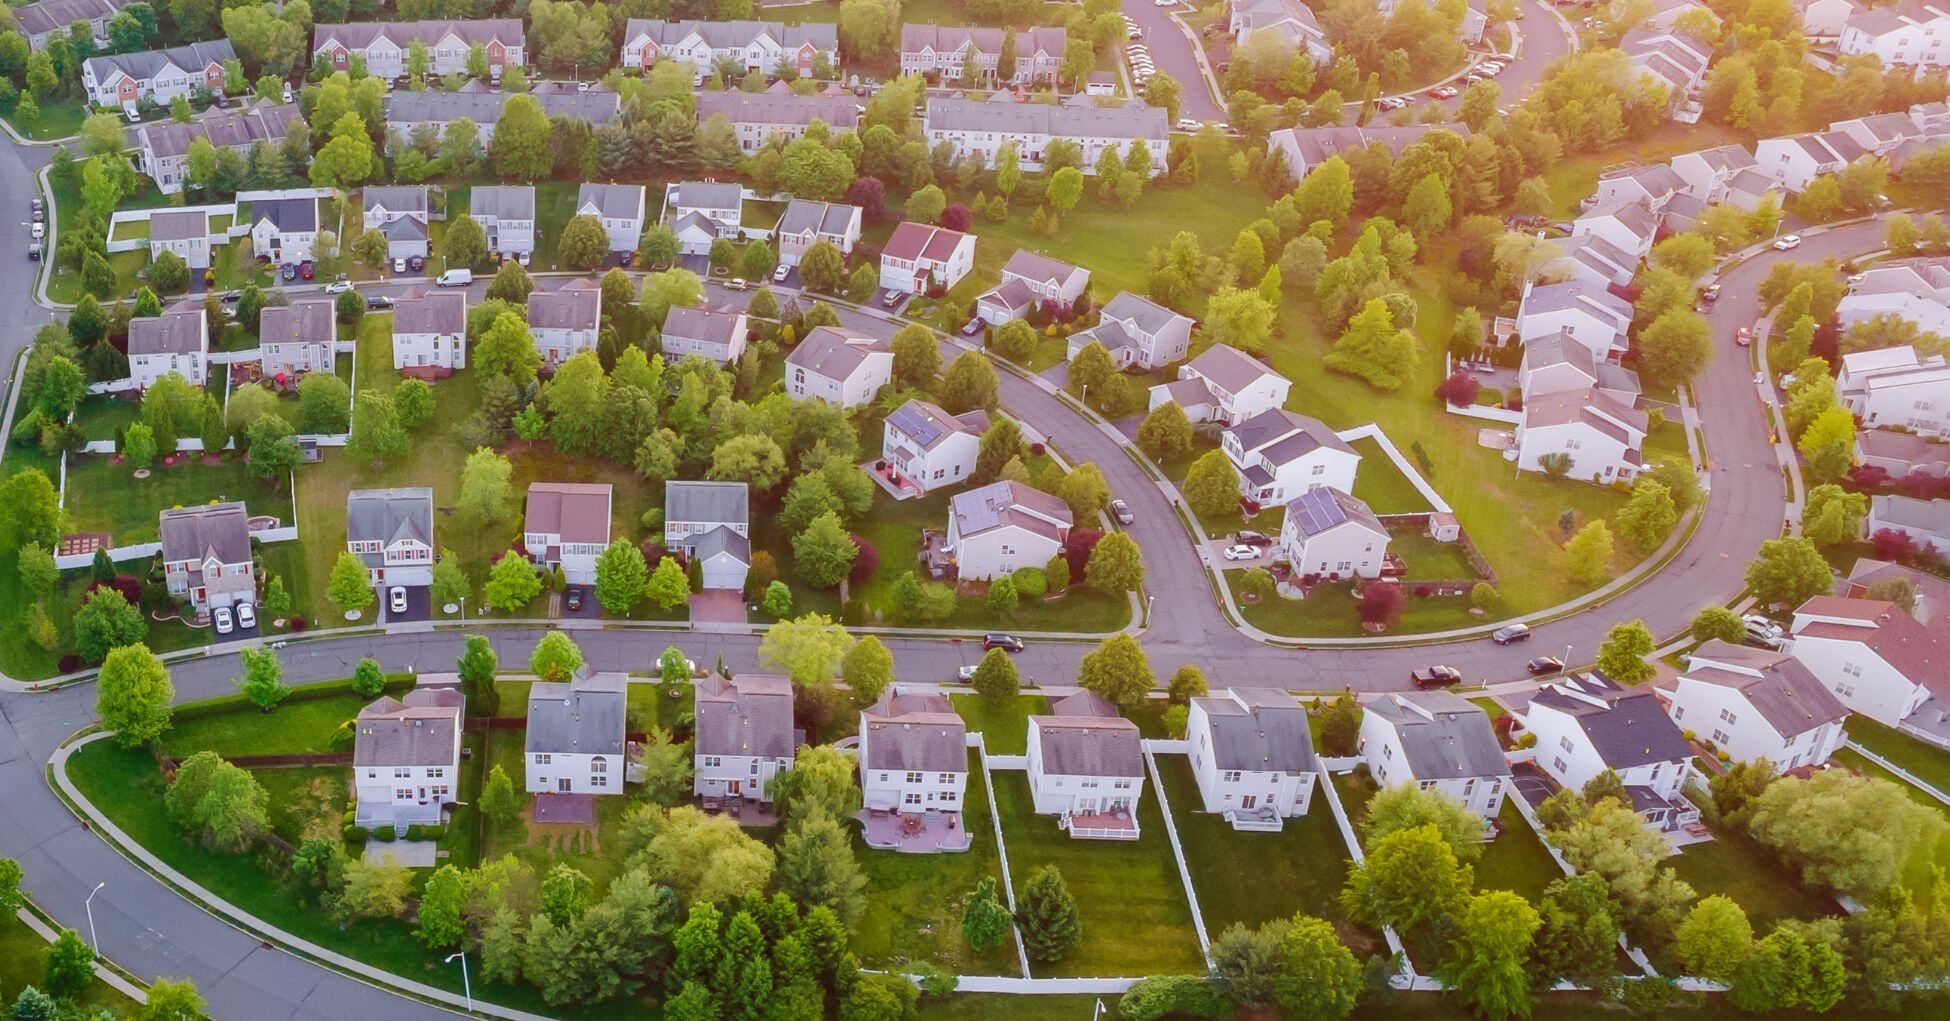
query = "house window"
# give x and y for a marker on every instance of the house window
(599, 780)
(1387, 752)
(543, 760)
(1728, 717)
(712, 762)
(947, 797)
(1678, 713)
(401, 772)
(598, 765)
(914, 777)
(403, 794)
(438, 790)
(911, 798)
(1564, 743)
(1719, 736)
(945, 778)
(1558, 764)
(436, 772)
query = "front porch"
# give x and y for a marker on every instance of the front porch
(913, 832)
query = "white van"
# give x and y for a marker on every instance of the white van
(455, 278)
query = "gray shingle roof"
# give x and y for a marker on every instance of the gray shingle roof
(387, 515)
(1132, 120)
(1258, 729)
(706, 325)
(614, 201)
(441, 311)
(193, 58)
(927, 424)
(749, 715)
(288, 215)
(301, 322)
(722, 540)
(707, 195)
(1626, 727)
(950, 38)
(1008, 503)
(807, 216)
(724, 502)
(360, 34)
(585, 716)
(193, 533)
(1777, 685)
(914, 728)
(1300, 434)
(179, 330)
(834, 352)
(576, 305)
(1149, 316)
(1088, 739)
(781, 106)
(1230, 368)
(502, 202)
(1040, 268)
(726, 35)
(179, 224)
(226, 129)
(419, 730)
(397, 199)
(49, 15)
(1447, 739)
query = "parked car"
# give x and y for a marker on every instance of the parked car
(966, 674)
(1122, 512)
(1543, 665)
(1743, 336)
(1762, 631)
(1511, 633)
(221, 615)
(1787, 242)
(415, 264)
(379, 301)
(290, 271)
(399, 265)
(39, 230)
(232, 297)
(1437, 676)
(307, 270)
(974, 327)
(574, 602)
(1005, 642)
(1241, 552)
(779, 275)
(338, 287)
(1187, 124)
(246, 615)
(893, 298)
(1246, 538)
(736, 284)
(397, 600)
(455, 278)
(34, 251)
(1711, 294)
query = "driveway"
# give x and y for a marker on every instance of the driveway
(419, 604)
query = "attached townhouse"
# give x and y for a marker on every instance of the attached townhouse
(1592, 260)
(964, 55)
(1926, 522)
(163, 147)
(1002, 528)
(808, 222)
(406, 756)
(743, 737)
(1794, 161)
(566, 525)
(977, 129)
(391, 532)
(920, 256)
(565, 322)
(839, 367)
(1559, 364)
(1030, 279)
(1911, 33)
(1667, 13)
(128, 80)
(768, 47)
(1086, 767)
(297, 338)
(1902, 454)
(1252, 756)
(1929, 595)
(1884, 133)
(1307, 148)
(913, 771)
(1280, 454)
(1586, 724)
(1822, 20)
(1225, 385)
(184, 232)
(715, 334)
(385, 46)
(1631, 227)
(925, 448)
(1756, 704)
(283, 229)
(709, 523)
(430, 332)
(1672, 58)
(481, 105)
(619, 208)
(576, 740)
(778, 112)
(1647, 185)
(1914, 290)
(1895, 386)
(1137, 332)
(506, 214)
(177, 341)
(41, 21)
(1599, 438)
(206, 555)
(1706, 172)
(1331, 535)
(401, 214)
(1593, 316)
(1436, 740)
(1290, 23)
(1879, 660)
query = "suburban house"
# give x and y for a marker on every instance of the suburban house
(156, 76)
(41, 21)
(565, 321)
(1586, 724)
(177, 341)
(1307, 148)
(385, 46)
(1894, 386)
(1756, 704)
(1591, 260)
(297, 338)
(1469, 30)
(619, 207)
(913, 762)
(1004, 527)
(710, 523)
(964, 55)
(1225, 385)
(391, 532)
(430, 332)
(1649, 185)
(838, 366)
(1672, 58)
(1252, 756)
(701, 212)
(1290, 22)
(566, 525)
(206, 555)
(918, 256)
(1086, 767)
(757, 117)
(1884, 133)
(1666, 13)
(1931, 594)
(283, 229)
(506, 214)
(575, 742)
(979, 128)
(1029, 279)
(1280, 455)
(768, 47)
(1333, 535)
(716, 334)
(1436, 740)
(406, 755)
(1630, 228)
(401, 214)
(1593, 316)
(1916, 290)
(1137, 332)
(1925, 521)
(1794, 161)
(1599, 437)
(1823, 19)
(743, 738)
(1879, 660)
(408, 111)
(1911, 33)
(1707, 172)
(186, 232)
(1902, 453)
(1559, 364)
(927, 448)
(808, 222)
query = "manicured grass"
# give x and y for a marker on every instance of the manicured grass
(1004, 725)
(1329, 612)
(306, 801)
(1383, 485)
(59, 118)
(1732, 864)
(104, 497)
(128, 230)
(23, 962)
(915, 901)
(106, 417)
(1429, 560)
(1666, 442)
(1131, 902)
(596, 855)
(988, 1006)
(299, 726)
(1927, 763)
(1516, 860)
(64, 286)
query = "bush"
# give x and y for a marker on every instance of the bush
(1174, 996)
(426, 831)
(356, 834)
(1031, 582)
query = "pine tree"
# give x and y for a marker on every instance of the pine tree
(1047, 915)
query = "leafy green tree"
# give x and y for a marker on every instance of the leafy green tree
(556, 657)
(917, 354)
(512, 582)
(809, 649)
(1788, 572)
(667, 587)
(566, 894)
(106, 622)
(465, 243)
(868, 669)
(498, 798)
(133, 696)
(996, 676)
(1675, 348)
(1313, 974)
(172, 1000)
(1715, 940)
(1831, 516)
(824, 552)
(816, 867)
(970, 383)
(1402, 808)
(1828, 445)
(1374, 348)
(1491, 949)
(1841, 831)
(1117, 671)
(1579, 936)
(1212, 484)
(1587, 556)
(985, 922)
(138, 446)
(441, 900)
(1165, 433)
(621, 576)
(1649, 516)
(349, 587)
(583, 244)
(70, 965)
(1622, 655)
(520, 149)
(1718, 622)
(263, 680)
(1409, 879)
(1115, 565)
(1047, 916)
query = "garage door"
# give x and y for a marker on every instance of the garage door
(724, 571)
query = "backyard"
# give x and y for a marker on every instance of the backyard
(1003, 723)
(103, 496)
(1732, 864)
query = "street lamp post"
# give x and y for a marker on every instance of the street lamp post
(1566, 670)
(467, 987)
(89, 906)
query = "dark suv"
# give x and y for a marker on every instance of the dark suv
(997, 640)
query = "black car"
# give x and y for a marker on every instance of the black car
(1511, 633)
(997, 640)
(1544, 665)
(1258, 539)
(232, 297)
(379, 301)
(575, 599)
(416, 264)
(1437, 676)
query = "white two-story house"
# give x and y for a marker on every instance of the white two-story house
(1593, 316)
(1794, 161)
(406, 755)
(744, 736)
(978, 129)
(430, 332)
(807, 222)
(1878, 660)
(506, 214)
(566, 525)
(957, 53)
(1086, 767)
(185, 232)
(619, 208)
(400, 213)
(1252, 756)
(710, 523)
(715, 334)
(1756, 704)
(1598, 438)
(1436, 740)
(177, 341)
(1225, 385)
(1030, 279)
(758, 117)
(283, 229)
(1914, 290)
(1004, 527)
(576, 734)
(1912, 33)
(913, 766)
(1332, 535)
(391, 532)
(838, 366)
(1136, 332)
(566, 321)
(926, 448)
(1280, 455)
(206, 555)
(297, 338)
(1586, 724)
(767, 47)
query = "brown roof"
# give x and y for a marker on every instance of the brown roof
(194, 533)
(1932, 592)
(914, 729)
(1783, 691)
(749, 715)
(576, 511)
(915, 241)
(1921, 652)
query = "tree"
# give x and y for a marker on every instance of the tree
(465, 243)
(1165, 433)
(377, 432)
(1788, 572)
(668, 588)
(1064, 189)
(1402, 808)
(926, 204)
(1588, 555)
(1115, 565)
(1118, 671)
(170, 1000)
(824, 552)
(621, 575)
(1718, 622)
(70, 965)
(1212, 484)
(1622, 655)
(222, 805)
(808, 649)
(970, 383)
(996, 676)
(106, 622)
(1715, 940)
(985, 922)
(263, 680)
(138, 446)
(1579, 937)
(349, 587)
(1491, 949)
(556, 657)
(1832, 517)
(867, 669)
(512, 582)
(584, 243)
(823, 268)
(1675, 348)
(1047, 917)
(1240, 318)
(917, 354)
(133, 696)
(30, 510)
(755, 460)
(1828, 445)
(520, 149)
(440, 902)
(1842, 831)
(485, 491)
(498, 798)
(1427, 208)
(1374, 349)
(169, 274)
(1649, 516)
(816, 867)
(1409, 879)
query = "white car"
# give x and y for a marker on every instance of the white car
(397, 601)
(1787, 242)
(1187, 124)
(222, 617)
(781, 273)
(40, 231)
(338, 287)
(246, 615)
(966, 674)
(399, 265)
(1164, 3)
(1241, 552)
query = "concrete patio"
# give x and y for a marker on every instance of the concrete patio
(913, 832)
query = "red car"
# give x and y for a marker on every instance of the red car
(305, 270)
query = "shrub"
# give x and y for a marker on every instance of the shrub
(1031, 582)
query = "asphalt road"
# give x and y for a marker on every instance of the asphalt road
(1173, 54)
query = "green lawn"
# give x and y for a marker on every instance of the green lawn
(59, 118)
(1429, 560)
(1384, 487)
(64, 286)
(915, 901)
(104, 497)
(1927, 763)
(1329, 612)
(1732, 864)
(23, 962)
(1004, 726)
(128, 230)
(595, 855)
(106, 417)
(1135, 919)
(1516, 860)
(310, 722)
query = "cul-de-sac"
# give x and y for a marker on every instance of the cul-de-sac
(943, 510)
